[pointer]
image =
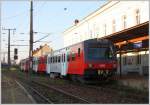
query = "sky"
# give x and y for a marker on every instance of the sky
(52, 17)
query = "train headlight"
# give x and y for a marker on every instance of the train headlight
(107, 71)
(114, 65)
(90, 65)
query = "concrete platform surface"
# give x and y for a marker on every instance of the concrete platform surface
(14, 93)
(135, 81)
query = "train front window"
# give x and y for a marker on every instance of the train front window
(100, 53)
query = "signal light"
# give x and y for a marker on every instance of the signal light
(114, 65)
(15, 57)
(90, 65)
(16, 51)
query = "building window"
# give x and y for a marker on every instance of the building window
(125, 60)
(137, 16)
(105, 29)
(91, 34)
(124, 22)
(138, 59)
(113, 26)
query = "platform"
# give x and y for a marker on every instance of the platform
(134, 81)
(14, 93)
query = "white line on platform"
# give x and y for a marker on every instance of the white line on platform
(30, 97)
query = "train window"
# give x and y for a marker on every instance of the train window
(48, 60)
(51, 60)
(73, 56)
(45, 61)
(59, 59)
(42, 61)
(78, 52)
(56, 59)
(68, 59)
(64, 57)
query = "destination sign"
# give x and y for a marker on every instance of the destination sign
(98, 45)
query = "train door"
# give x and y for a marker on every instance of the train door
(36, 64)
(48, 65)
(64, 64)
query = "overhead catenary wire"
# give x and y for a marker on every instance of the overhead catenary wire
(23, 13)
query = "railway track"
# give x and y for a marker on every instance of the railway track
(122, 94)
(50, 94)
(74, 97)
(38, 97)
(69, 92)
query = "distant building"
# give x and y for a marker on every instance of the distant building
(43, 50)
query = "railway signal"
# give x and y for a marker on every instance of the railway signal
(15, 54)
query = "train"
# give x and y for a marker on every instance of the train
(25, 65)
(93, 59)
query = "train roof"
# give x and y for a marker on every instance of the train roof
(85, 41)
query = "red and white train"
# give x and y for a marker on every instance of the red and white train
(90, 59)
(24, 64)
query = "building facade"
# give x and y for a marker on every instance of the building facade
(43, 50)
(113, 17)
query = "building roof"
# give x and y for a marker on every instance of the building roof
(41, 47)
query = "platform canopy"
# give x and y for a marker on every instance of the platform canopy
(138, 31)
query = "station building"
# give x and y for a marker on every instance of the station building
(126, 23)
